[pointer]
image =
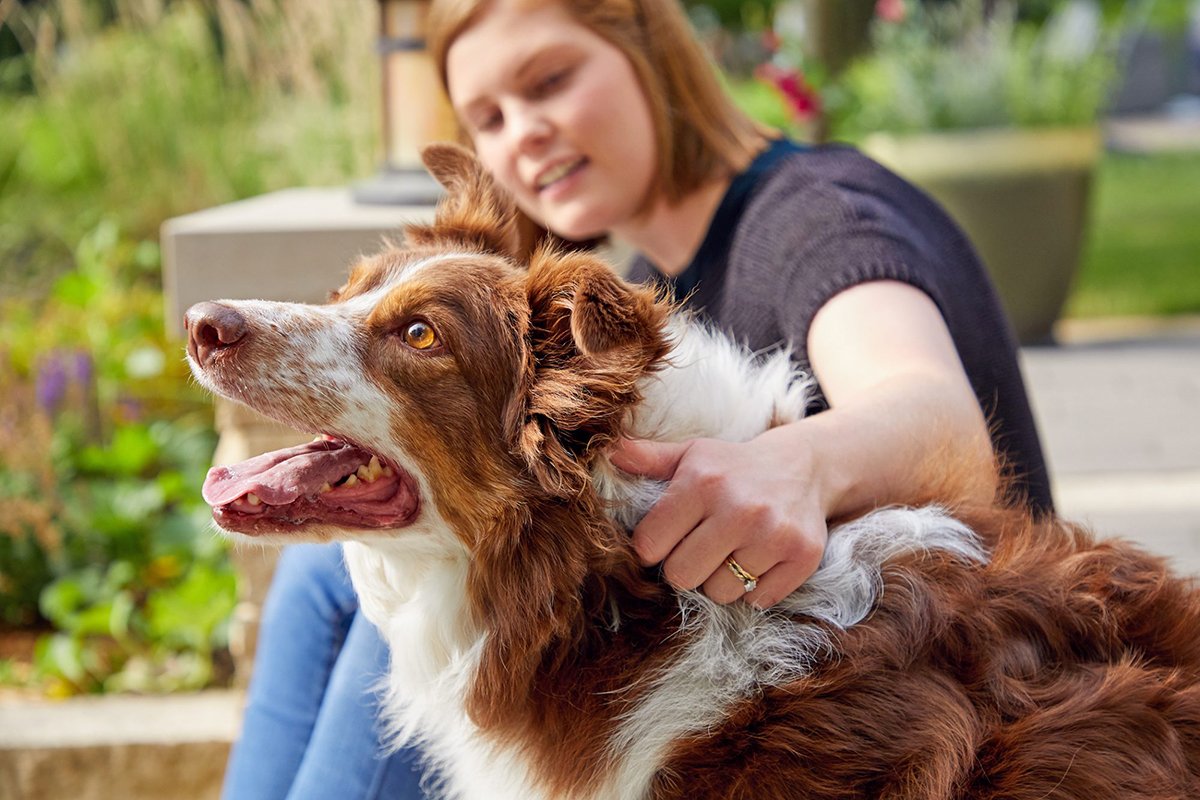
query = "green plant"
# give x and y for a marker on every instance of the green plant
(103, 535)
(749, 15)
(966, 64)
(169, 108)
(116, 117)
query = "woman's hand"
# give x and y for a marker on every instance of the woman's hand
(758, 501)
(903, 427)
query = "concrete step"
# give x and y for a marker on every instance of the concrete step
(1118, 406)
(135, 748)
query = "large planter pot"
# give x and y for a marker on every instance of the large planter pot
(1022, 196)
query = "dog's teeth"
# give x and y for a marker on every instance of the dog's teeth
(370, 471)
(325, 487)
(352, 480)
(253, 499)
(387, 472)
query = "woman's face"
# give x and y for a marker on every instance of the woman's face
(557, 115)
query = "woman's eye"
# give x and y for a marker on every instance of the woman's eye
(549, 82)
(420, 336)
(488, 122)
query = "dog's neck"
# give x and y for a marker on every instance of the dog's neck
(546, 596)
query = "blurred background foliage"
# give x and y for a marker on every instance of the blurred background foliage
(118, 114)
(115, 116)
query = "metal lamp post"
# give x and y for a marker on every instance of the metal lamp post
(415, 111)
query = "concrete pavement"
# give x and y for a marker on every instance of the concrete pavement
(1118, 406)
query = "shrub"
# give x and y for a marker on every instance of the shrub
(102, 531)
(117, 117)
(969, 64)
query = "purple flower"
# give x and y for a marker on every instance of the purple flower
(84, 367)
(51, 382)
(57, 372)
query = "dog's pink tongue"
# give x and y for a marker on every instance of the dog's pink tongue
(283, 476)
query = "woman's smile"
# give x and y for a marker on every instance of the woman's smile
(561, 180)
(552, 175)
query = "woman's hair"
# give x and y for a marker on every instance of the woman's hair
(700, 133)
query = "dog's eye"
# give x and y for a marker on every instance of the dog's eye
(420, 336)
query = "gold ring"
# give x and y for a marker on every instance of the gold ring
(748, 579)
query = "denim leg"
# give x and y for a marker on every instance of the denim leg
(309, 728)
(344, 758)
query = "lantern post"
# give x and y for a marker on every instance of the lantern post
(414, 109)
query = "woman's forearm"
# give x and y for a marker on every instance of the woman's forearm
(914, 438)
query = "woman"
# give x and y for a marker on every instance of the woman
(602, 117)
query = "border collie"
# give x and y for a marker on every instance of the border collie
(465, 397)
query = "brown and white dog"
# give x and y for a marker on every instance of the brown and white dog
(465, 399)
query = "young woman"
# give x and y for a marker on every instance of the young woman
(603, 117)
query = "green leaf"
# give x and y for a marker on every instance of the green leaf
(61, 600)
(63, 655)
(92, 621)
(194, 612)
(76, 289)
(120, 615)
(137, 501)
(133, 449)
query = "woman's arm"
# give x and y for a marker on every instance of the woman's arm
(903, 427)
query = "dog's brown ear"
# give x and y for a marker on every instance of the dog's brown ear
(474, 212)
(586, 309)
(592, 336)
(450, 164)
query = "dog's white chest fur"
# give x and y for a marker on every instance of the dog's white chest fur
(413, 589)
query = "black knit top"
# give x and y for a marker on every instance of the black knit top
(802, 224)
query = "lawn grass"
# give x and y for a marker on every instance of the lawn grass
(1142, 255)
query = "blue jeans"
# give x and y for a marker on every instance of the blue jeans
(311, 724)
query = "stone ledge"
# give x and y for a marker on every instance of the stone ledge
(136, 748)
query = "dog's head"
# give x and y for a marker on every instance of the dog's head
(447, 380)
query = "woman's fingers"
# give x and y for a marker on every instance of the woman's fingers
(778, 582)
(699, 559)
(774, 578)
(657, 460)
(726, 585)
(676, 513)
(727, 498)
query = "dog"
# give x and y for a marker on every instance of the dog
(465, 395)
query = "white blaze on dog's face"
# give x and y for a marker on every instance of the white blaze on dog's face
(405, 376)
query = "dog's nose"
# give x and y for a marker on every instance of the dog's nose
(212, 327)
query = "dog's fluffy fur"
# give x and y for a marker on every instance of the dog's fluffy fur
(983, 655)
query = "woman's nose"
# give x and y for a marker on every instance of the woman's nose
(531, 129)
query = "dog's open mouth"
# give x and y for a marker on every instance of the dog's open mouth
(326, 481)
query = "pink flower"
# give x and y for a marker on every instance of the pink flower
(802, 100)
(890, 10)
